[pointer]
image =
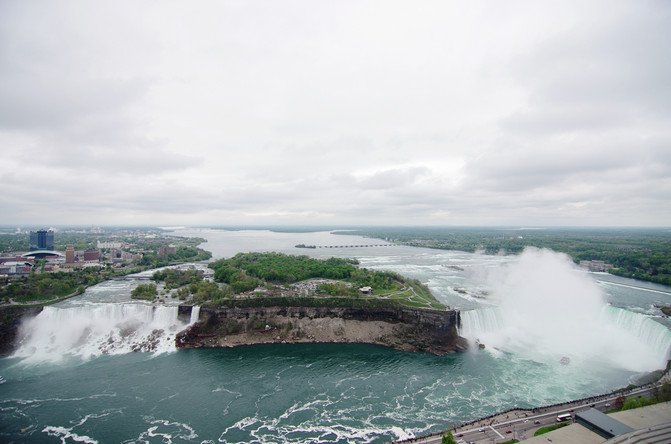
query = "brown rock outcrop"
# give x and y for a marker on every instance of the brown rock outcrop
(406, 329)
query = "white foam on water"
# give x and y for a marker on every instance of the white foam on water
(64, 434)
(167, 431)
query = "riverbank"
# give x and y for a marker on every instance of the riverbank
(521, 423)
(402, 329)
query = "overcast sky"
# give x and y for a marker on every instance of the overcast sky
(335, 112)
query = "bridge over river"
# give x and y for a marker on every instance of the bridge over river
(349, 246)
(131, 277)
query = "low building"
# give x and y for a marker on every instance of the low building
(110, 245)
(129, 257)
(596, 265)
(92, 255)
(165, 250)
(16, 268)
(601, 424)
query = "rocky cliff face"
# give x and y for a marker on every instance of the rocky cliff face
(400, 328)
(10, 319)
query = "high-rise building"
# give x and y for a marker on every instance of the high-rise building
(69, 254)
(41, 240)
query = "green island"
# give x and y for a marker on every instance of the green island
(639, 253)
(275, 279)
(260, 298)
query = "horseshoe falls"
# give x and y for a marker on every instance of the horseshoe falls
(613, 337)
(547, 309)
(102, 368)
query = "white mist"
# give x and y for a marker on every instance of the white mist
(546, 309)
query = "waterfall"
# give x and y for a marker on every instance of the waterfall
(476, 322)
(547, 309)
(649, 333)
(98, 328)
(626, 339)
(195, 314)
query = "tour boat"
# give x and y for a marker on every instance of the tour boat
(565, 360)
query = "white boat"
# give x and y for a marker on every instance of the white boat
(565, 360)
(2, 380)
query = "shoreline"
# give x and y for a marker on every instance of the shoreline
(517, 415)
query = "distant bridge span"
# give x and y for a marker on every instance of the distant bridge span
(356, 246)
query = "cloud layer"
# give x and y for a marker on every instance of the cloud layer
(298, 112)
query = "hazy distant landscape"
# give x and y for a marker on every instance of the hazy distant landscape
(640, 253)
(326, 392)
(232, 222)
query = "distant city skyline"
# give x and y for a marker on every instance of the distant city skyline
(352, 113)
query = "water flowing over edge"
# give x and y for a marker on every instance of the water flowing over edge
(95, 329)
(625, 339)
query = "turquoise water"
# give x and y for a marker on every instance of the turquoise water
(69, 391)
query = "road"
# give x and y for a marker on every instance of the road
(522, 424)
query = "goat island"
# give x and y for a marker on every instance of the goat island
(270, 297)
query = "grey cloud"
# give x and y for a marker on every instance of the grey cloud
(393, 178)
(599, 74)
(306, 110)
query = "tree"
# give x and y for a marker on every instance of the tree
(144, 291)
(619, 402)
(448, 439)
(664, 392)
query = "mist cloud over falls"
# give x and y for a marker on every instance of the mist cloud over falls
(547, 308)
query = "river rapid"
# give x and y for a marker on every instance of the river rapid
(75, 377)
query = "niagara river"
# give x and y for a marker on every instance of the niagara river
(101, 368)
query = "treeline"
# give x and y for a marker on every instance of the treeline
(637, 253)
(144, 291)
(278, 267)
(660, 394)
(190, 282)
(183, 254)
(296, 301)
(175, 278)
(46, 286)
(271, 272)
(245, 271)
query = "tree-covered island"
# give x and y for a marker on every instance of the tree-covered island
(275, 279)
(258, 298)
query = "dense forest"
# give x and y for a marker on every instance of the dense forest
(245, 271)
(637, 253)
(274, 273)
